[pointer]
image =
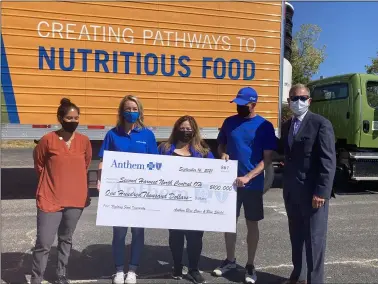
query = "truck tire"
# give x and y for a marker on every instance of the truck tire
(268, 178)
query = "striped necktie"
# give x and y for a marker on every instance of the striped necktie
(297, 124)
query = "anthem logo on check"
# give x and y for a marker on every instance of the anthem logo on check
(134, 166)
(154, 166)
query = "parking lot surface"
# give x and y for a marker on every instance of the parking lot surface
(352, 250)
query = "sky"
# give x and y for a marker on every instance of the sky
(349, 30)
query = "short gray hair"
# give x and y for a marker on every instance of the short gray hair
(298, 87)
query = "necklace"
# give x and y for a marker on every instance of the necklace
(68, 143)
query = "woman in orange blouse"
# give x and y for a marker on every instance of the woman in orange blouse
(61, 160)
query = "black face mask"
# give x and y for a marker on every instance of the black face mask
(243, 111)
(184, 136)
(69, 126)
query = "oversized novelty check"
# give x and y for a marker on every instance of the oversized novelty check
(167, 192)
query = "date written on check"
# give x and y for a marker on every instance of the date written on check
(195, 170)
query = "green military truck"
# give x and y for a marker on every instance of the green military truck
(350, 102)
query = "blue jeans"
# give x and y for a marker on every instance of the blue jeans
(118, 245)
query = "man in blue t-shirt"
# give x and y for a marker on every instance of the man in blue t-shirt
(249, 139)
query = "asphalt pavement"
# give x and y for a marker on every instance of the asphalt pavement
(351, 254)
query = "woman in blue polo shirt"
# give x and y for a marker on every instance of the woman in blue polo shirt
(130, 135)
(185, 141)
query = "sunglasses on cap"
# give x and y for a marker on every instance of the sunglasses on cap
(302, 98)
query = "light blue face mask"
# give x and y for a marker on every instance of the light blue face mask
(299, 107)
(131, 117)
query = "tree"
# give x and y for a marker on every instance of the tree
(306, 58)
(373, 68)
(286, 113)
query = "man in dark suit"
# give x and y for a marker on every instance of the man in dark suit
(310, 162)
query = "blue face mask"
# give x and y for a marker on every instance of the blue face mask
(131, 117)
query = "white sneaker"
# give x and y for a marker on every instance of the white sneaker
(119, 278)
(225, 267)
(131, 277)
(250, 274)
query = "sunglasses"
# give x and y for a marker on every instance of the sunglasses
(302, 98)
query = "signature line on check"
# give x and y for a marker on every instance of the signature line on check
(189, 198)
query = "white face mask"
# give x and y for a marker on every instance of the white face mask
(299, 107)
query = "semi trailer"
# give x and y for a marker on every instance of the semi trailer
(178, 57)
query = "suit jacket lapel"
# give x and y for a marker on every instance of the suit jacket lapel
(286, 134)
(302, 126)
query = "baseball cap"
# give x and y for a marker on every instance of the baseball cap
(245, 96)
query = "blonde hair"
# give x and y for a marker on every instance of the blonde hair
(298, 87)
(197, 143)
(120, 118)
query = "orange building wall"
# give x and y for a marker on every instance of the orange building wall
(37, 92)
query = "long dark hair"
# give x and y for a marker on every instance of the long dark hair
(197, 142)
(65, 106)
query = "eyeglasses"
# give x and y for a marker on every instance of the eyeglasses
(302, 98)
